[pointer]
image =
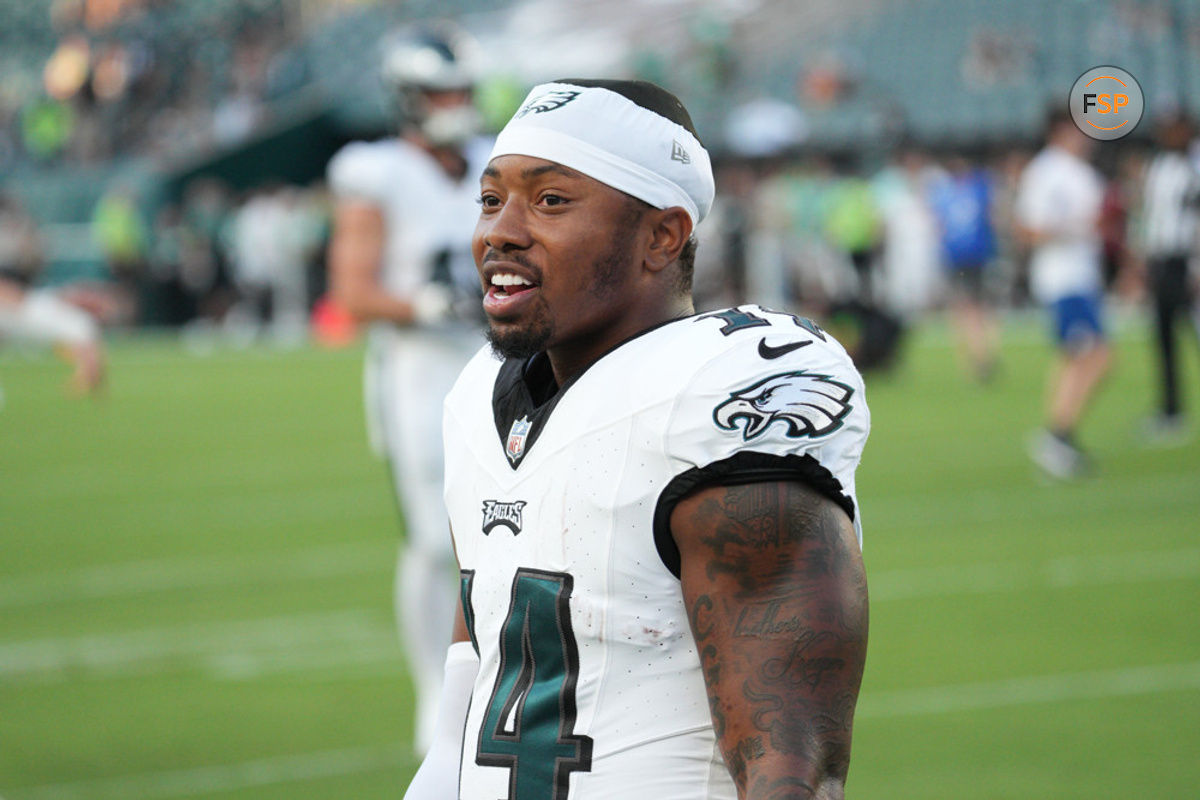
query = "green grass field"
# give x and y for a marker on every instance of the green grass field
(195, 586)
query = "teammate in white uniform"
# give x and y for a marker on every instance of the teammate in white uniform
(654, 511)
(40, 316)
(400, 259)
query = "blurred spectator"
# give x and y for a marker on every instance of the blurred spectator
(862, 321)
(1058, 207)
(852, 225)
(262, 259)
(1116, 255)
(302, 239)
(962, 200)
(21, 255)
(46, 128)
(789, 261)
(1170, 199)
(1012, 250)
(258, 256)
(720, 272)
(124, 241)
(909, 264)
(207, 215)
(170, 300)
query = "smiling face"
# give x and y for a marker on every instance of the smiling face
(561, 259)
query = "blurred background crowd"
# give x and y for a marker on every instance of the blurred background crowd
(167, 158)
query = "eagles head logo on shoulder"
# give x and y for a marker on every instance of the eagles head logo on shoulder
(807, 404)
(547, 102)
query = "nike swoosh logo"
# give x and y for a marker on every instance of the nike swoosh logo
(767, 351)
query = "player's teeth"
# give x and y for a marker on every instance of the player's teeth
(509, 280)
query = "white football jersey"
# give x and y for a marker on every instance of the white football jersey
(429, 217)
(589, 685)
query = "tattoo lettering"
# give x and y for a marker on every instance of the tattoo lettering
(781, 626)
(797, 670)
(763, 620)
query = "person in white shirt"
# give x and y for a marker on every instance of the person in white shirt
(1058, 211)
(1170, 199)
(400, 261)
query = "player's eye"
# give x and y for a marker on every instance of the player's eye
(553, 200)
(488, 200)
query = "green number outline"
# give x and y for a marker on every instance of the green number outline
(542, 749)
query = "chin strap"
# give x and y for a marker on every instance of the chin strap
(437, 779)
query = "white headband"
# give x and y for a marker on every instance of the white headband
(610, 138)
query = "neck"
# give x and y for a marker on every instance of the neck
(568, 359)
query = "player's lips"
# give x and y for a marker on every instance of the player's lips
(509, 287)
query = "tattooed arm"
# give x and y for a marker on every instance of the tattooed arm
(773, 579)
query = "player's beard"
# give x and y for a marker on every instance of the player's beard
(527, 341)
(534, 337)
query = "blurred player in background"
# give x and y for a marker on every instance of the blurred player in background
(1170, 197)
(1058, 209)
(962, 201)
(42, 317)
(65, 319)
(400, 260)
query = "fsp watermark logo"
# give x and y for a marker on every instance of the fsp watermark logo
(1106, 103)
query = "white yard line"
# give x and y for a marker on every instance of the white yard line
(1030, 690)
(1042, 689)
(253, 648)
(227, 777)
(173, 574)
(208, 643)
(1058, 573)
(335, 561)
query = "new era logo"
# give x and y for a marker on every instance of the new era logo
(679, 154)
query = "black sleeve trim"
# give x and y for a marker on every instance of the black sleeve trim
(739, 469)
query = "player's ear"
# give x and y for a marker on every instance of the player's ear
(669, 230)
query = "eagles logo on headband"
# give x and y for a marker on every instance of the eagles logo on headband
(631, 135)
(546, 102)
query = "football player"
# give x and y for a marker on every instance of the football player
(662, 591)
(45, 318)
(400, 261)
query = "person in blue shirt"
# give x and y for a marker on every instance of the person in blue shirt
(962, 204)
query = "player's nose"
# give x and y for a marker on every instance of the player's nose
(506, 228)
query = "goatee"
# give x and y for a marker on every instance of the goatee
(521, 343)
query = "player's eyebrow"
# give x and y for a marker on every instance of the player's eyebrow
(535, 172)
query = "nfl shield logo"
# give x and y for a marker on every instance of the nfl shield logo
(515, 447)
